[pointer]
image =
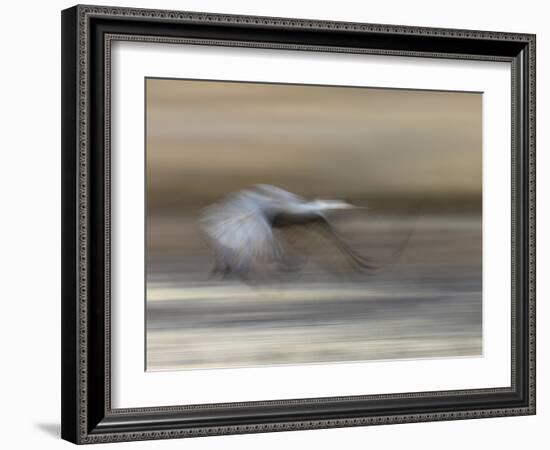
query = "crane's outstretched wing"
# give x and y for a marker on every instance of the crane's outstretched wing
(240, 235)
(358, 259)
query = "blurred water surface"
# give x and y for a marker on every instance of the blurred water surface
(425, 304)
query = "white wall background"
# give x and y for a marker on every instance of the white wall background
(30, 226)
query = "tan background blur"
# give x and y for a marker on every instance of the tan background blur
(413, 156)
(208, 138)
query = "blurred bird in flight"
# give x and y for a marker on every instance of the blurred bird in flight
(241, 230)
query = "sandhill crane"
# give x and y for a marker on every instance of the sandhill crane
(240, 229)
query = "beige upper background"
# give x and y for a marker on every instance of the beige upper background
(208, 138)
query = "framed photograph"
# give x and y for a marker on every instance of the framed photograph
(275, 224)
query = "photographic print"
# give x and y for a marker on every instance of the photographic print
(301, 224)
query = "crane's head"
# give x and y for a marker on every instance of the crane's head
(327, 205)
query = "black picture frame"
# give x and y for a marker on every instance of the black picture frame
(87, 416)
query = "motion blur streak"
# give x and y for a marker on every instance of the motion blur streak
(389, 149)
